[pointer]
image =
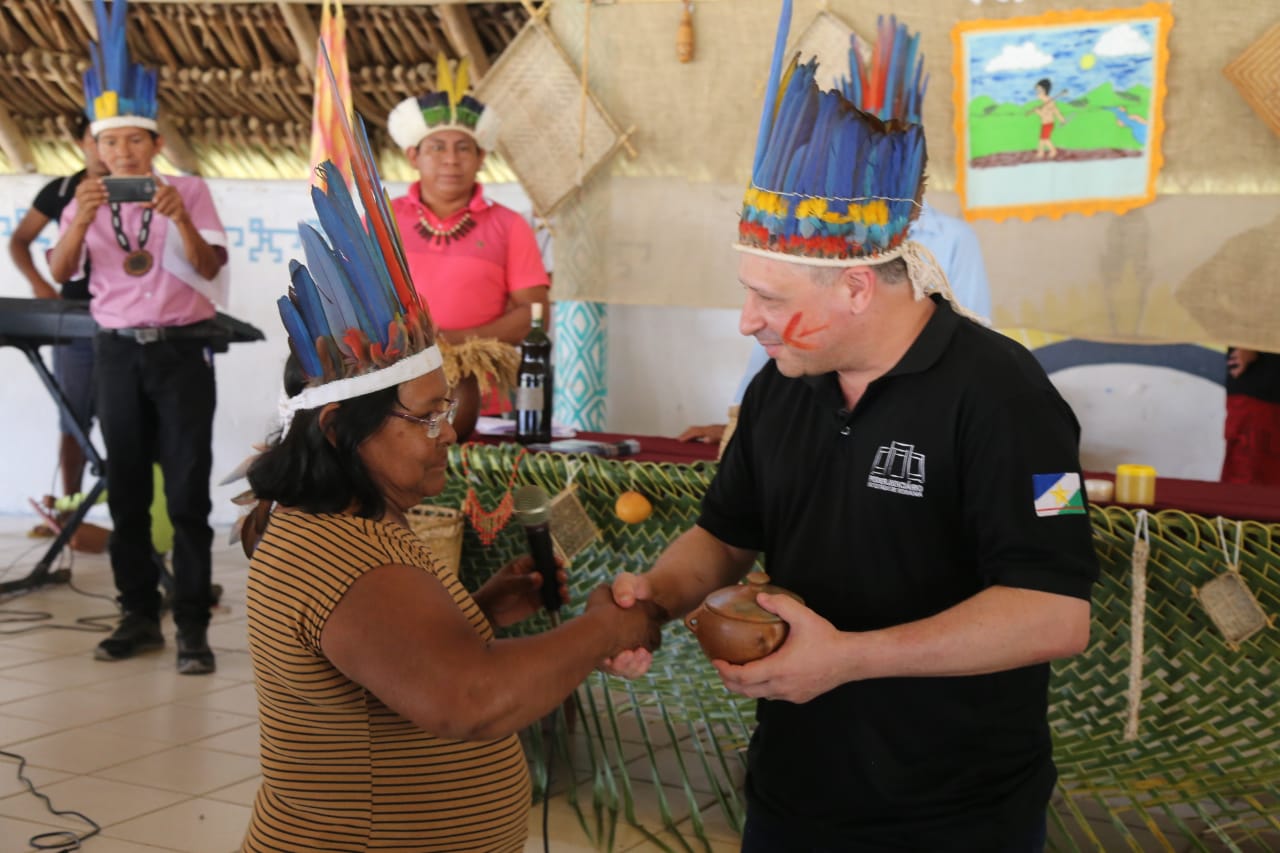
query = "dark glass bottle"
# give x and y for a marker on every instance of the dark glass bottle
(533, 384)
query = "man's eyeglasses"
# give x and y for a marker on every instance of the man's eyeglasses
(434, 422)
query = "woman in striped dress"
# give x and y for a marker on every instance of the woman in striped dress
(388, 709)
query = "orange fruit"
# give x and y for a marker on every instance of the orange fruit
(632, 507)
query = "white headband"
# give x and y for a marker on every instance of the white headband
(407, 126)
(96, 127)
(418, 364)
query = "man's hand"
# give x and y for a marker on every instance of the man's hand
(802, 668)
(1238, 361)
(44, 290)
(90, 195)
(168, 203)
(627, 590)
(708, 434)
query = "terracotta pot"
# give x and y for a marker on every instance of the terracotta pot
(731, 626)
(468, 393)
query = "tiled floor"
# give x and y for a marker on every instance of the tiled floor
(169, 762)
(162, 761)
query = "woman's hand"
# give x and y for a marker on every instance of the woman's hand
(511, 594)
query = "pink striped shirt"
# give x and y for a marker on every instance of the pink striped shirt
(166, 295)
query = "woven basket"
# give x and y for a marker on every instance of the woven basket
(441, 529)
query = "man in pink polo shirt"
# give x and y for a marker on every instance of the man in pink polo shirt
(155, 267)
(475, 262)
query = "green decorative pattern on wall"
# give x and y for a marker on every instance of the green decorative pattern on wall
(582, 364)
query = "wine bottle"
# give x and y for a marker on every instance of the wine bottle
(533, 384)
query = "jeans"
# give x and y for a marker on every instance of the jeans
(73, 368)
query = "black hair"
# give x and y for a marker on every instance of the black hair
(303, 469)
(1043, 83)
(79, 125)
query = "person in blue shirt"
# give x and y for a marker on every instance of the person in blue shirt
(955, 245)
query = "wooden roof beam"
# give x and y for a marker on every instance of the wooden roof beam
(304, 32)
(14, 144)
(85, 13)
(461, 32)
(176, 149)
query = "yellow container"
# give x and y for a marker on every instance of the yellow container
(1135, 484)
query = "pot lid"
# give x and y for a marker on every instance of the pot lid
(739, 601)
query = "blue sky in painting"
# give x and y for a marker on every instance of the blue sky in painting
(1006, 64)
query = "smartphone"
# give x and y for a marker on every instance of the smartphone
(140, 188)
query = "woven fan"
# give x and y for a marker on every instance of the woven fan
(536, 90)
(1256, 73)
(827, 38)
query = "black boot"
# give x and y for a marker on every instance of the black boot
(194, 655)
(135, 633)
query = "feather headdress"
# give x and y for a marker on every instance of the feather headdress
(838, 175)
(118, 92)
(449, 107)
(354, 318)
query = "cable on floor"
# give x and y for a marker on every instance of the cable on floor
(63, 840)
(90, 624)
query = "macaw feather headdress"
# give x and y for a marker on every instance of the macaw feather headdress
(355, 321)
(449, 107)
(838, 176)
(118, 92)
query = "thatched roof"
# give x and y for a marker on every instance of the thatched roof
(235, 78)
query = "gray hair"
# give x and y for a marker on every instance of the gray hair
(890, 272)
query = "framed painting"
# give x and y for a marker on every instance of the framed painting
(1059, 113)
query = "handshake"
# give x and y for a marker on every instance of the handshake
(634, 629)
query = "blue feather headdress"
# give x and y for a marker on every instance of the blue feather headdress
(355, 321)
(838, 175)
(118, 92)
(450, 107)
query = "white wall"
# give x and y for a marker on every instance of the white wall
(669, 367)
(651, 353)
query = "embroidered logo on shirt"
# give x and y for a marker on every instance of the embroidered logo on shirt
(899, 469)
(1057, 494)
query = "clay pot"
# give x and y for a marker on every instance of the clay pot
(731, 626)
(468, 393)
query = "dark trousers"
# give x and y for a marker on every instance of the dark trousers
(765, 834)
(155, 403)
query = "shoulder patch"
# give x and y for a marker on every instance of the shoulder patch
(1058, 494)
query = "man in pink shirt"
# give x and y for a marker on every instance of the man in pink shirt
(475, 262)
(154, 268)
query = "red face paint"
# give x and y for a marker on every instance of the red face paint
(793, 336)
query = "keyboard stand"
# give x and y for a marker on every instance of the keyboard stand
(42, 574)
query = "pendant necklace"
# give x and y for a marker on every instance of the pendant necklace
(136, 262)
(445, 236)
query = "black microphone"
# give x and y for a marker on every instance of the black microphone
(532, 508)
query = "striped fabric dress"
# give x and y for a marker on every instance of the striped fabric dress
(340, 770)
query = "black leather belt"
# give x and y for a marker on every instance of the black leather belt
(154, 334)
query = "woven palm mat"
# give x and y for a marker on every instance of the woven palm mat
(1203, 773)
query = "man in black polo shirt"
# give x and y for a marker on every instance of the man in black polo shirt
(914, 477)
(72, 361)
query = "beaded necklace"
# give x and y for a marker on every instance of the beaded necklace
(445, 236)
(136, 262)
